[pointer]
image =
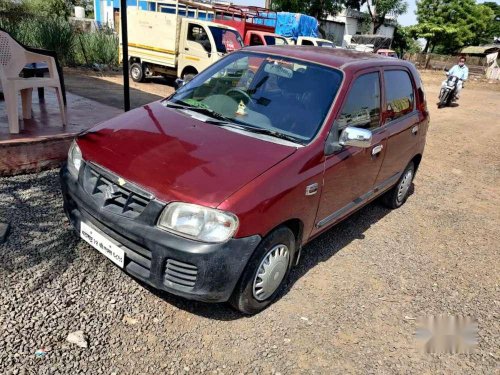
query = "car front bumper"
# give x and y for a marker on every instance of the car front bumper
(188, 268)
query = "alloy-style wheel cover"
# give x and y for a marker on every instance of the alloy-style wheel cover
(404, 185)
(271, 272)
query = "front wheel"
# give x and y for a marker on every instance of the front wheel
(443, 98)
(137, 72)
(265, 273)
(398, 195)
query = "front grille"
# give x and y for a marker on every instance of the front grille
(124, 199)
(183, 274)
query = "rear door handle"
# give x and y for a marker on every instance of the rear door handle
(377, 149)
(414, 130)
(186, 49)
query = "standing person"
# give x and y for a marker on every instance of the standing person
(462, 72)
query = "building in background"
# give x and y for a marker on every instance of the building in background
(349, 22)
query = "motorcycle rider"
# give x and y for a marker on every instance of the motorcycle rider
(462, 72)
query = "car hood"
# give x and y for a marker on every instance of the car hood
(178, 158)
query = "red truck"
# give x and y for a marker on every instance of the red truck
(256, 25)
(213, 192)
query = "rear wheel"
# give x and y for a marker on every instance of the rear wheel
(137, 72)
(398, 195)
(265, 273)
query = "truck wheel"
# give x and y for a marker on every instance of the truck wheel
(137, 72)
(186, 77)
(397, 196)
(265, 273)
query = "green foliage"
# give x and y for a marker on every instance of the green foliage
(100, 47)
(316, 8)
(452, 24)
(379, 9)
(495, 23)
(57, 34)
(403, 41)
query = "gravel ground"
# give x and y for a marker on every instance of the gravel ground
(348, 308)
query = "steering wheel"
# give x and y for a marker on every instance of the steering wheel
(240, 95)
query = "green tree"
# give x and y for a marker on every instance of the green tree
(451, 23)
(379, 9)
(403, 41)
(495, 23)
(319, 9)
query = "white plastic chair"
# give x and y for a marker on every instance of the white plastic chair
(13, 58)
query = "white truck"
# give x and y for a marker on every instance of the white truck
(310, 41)
(172, 39)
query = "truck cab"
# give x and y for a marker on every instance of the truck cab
(263, 38)
(310, 41)
(164, 41)
(256, 25)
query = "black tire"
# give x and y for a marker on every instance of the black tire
(393, 198)
(137, 72)
(243, 298)
(443, 100)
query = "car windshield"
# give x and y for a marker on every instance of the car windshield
(282, 96)
(226, 40)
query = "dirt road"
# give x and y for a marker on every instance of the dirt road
(349, 307)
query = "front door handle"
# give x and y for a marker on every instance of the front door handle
(414, 130)
(186, 49)
(377, 150)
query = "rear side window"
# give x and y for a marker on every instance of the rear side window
(307, 43)
(362, 107)
(400, 97)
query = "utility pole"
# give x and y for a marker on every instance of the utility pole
(126, 82)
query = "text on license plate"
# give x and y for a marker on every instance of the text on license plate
(102, 244)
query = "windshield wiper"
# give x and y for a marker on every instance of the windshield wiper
(272, 133)
(221, 119)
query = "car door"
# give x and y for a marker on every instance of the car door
(350, 173)
(196, 48)
(400, 119)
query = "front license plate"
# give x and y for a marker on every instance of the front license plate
(102, 244)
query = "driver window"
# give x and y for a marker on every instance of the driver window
(255, 40)
(197, 34)
(362, 107)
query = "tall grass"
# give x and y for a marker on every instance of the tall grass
(59, 35)
(100, 47)
(56, 35)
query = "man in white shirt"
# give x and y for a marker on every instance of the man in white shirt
(462, 72)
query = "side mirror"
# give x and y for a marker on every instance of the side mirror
(179, 83)
(356, 137)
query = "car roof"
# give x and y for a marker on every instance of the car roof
(343, 59)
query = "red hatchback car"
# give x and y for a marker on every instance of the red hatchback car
(212, 193)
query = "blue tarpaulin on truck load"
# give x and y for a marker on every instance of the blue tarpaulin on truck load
(293, 25)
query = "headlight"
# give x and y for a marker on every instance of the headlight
(198, 222)
(74, 159)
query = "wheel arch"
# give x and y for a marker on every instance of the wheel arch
(297, 227)
(189, 70)
(416, 161)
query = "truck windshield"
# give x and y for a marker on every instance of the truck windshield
(275, 40)
(326, 44)
(280, 95)
(226, 40)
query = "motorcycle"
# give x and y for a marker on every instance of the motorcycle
(448, 92)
